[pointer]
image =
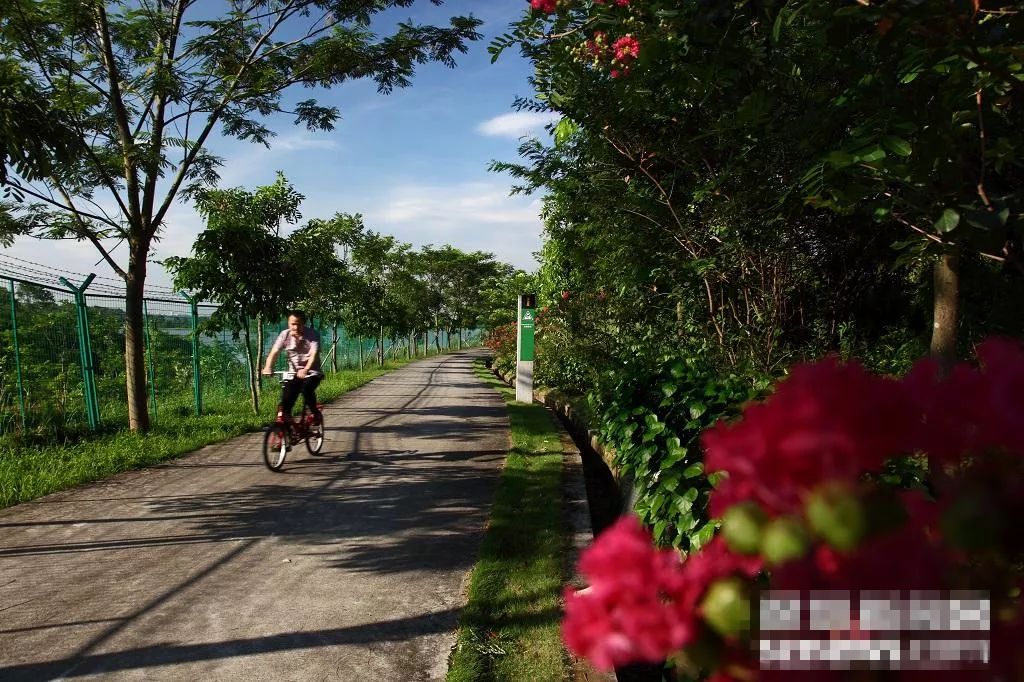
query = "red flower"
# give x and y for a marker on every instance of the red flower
(546, 6)
(642, 602)
(909, 557)
(626, 48)
(827, 421)
(971, 410)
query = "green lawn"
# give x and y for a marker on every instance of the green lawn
(509, 629)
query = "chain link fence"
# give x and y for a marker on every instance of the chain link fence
(62, 364)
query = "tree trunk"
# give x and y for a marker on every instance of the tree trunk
(360, 340)
(259, 354)
(460, 338)
(946, 276)
(380, 348)
(134, 338)
(334, 348)
(253, 391)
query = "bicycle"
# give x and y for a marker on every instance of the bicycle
(281, 434)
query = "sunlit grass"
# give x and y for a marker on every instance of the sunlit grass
(509, 629)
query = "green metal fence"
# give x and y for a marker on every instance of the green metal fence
(62, 356)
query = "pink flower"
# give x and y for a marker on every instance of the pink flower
(909, 557)
(546, 6)
(624, 615)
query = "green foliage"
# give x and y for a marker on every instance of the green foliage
(764, 184)
(509, 627)
(240, 261)
(653, 418)
(95, 95)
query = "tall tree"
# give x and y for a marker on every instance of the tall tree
(144, 84)
(241, 262)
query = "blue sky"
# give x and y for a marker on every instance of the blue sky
(414, 162)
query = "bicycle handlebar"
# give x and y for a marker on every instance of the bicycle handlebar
(288, 375)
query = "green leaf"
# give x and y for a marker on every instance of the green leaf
(703, 536)
(947, 221)
(693, 470)
(897, 145)
(987, 220)
(840, 159)
(870, 154)
(565, 129)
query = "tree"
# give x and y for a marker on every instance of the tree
(145, 84)
(324, 279)
(241, 262)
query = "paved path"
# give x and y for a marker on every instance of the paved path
(347, 566)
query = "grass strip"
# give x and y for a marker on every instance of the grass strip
(509, 629)
(29, 471)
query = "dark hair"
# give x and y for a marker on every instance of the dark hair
(301, 314)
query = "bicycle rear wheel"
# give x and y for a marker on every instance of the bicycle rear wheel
(315, 441)
(275, 447)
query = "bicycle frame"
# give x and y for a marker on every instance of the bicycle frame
(284, 433)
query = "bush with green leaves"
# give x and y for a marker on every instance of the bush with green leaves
(652, 418)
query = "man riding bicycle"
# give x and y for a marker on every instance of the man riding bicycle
(302, 348)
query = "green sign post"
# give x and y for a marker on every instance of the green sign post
(524, 347)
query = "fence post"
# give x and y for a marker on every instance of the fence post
(151, 370)
(17, 356)
(197, 385)
(92, 408)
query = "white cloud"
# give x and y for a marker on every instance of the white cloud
(517, 124)
(247, 163)
(472, 216)
(300, 141)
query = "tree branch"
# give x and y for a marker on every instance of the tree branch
(120, 115)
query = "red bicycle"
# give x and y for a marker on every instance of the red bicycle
(281, 434)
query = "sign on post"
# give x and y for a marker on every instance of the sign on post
(527, 314)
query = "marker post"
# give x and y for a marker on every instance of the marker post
(527, 313)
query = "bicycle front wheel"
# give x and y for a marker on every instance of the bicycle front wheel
(315, 441)
(275, 447)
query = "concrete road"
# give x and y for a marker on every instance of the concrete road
(346, 566)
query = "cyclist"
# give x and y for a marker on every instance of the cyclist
(302, 348)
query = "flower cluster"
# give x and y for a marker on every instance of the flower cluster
(641, 603)
(599, 51)
(625, 50)
(832, 421)
(551, 6)
(805, 500)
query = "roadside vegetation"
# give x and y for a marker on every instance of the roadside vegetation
(509, 629)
